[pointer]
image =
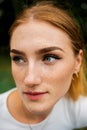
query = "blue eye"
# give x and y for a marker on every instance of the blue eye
(50, 58)
(18, 59)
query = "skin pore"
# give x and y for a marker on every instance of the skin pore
(43, 63)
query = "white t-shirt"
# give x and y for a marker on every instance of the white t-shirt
(66, 115)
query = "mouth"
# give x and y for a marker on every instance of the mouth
(34, 95)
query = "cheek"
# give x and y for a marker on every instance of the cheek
(60, 82)
(59, 79)
(17, 73)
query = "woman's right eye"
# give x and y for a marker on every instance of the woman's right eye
(18, 59)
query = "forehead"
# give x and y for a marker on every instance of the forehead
(40, 32)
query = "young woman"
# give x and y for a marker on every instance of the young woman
(48, 66)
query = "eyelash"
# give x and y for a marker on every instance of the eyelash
(50, 58)
(47, 59)
(18, 59)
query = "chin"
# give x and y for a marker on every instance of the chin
(40, 110)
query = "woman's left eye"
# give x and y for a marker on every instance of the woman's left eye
(50, 58)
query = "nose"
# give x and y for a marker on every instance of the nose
(32, 76)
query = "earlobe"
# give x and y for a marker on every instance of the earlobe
(75, 75)
(79, 58)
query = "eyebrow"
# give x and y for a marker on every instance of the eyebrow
(41, 51)
(17, 52)
(48, 49)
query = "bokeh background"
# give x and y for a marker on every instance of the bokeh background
(8, 11)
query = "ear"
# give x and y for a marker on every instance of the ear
(79, 58)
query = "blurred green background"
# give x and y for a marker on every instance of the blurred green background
(6, 80)
(8, 11)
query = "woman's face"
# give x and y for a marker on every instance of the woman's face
(42, 64)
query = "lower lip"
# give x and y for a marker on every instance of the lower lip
(34, 97)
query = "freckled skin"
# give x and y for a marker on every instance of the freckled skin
(52, 76)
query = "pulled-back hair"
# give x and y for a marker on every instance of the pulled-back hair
(60, 18)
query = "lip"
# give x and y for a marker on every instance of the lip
(34, 95)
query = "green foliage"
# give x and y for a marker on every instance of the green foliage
(6, 80)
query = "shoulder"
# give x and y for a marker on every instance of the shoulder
(72, 113)
(4, 96)
(77, 110)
